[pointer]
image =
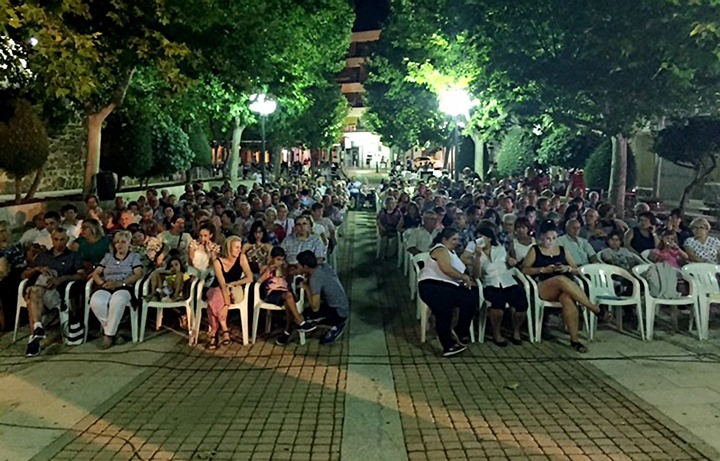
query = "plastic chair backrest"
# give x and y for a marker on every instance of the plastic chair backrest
(705, 276)
(600, 276)
(646, 255)
(419, 261)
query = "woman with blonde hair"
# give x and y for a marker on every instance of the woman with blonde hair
(232, 272)
(92, 245)
(701, 248)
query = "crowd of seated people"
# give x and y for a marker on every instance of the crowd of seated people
(546, 232)
(227, 237)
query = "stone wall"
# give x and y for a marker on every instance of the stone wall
(64, 167)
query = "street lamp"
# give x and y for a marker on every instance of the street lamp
(263, 106)
(456, 103)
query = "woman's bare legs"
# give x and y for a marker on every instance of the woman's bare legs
(570, 316)
(496, 316)
(518, 321)
(551, 289)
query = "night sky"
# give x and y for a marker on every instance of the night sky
(371, 14)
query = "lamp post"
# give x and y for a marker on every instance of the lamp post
(263, 106)
(456, 103)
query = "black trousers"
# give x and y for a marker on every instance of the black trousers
(442, 298)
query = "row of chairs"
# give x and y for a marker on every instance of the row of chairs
(193, 304)
(599, 281)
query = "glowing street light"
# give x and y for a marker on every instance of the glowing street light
(456, 103)
(263, 106)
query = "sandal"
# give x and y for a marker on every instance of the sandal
(226, 339)
(578, 346)
(212, 344)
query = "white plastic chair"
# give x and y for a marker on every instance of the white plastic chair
(64, 313)
(242, 306)
(188, 303)
(652, 305)
(423, 311)
(525, 284)
(138, 288)
(645, 255)
(417, 261)
(537, 309)
(602, 292)
(706, 289)
(269, 308)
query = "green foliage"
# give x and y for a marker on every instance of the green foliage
(127, 147)
(200, 146)
(597, 167)
(24, 144)
(171, 151)
(321, 125)
(567, 147)
(517, 152)
(693, 143)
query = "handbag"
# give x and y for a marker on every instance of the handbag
(237, 293)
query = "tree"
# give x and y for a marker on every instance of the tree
(128, 146)
(517, 152)
(607, 66)
(24, 147)
(694, 144)
(598, 164)
(171, 151)
(200, 146)
(88, 53)
(567, 147)
(321, 125)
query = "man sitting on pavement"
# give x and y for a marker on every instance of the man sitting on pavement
(328, 300)
(49, 274)
(582, 252)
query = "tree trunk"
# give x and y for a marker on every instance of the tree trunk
(700, 175)
(18, 190)
(34, 186)
(618, 174)
(479, 162)
(235, 151)
(275, 156)
(94, 132)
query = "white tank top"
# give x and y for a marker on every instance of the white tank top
(431, 270)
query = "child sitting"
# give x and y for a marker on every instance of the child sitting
(167, 284)
(273, 278)
(668, 251)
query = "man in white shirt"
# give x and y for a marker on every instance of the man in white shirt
(52, 222)
(30, 235)
(70, 222)
(420, 239)
(580, 249)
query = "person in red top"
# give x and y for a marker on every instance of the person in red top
(577, 183)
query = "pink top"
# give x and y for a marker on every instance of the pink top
(668, 255)
(277, 282)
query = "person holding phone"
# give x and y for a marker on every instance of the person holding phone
(643, 237)
(493, 266)
(552, 266)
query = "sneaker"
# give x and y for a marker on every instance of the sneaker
(39, 332)
(33, 347)
(334, 333)
(307, 326)
(283, 339)
(454, 350)
(462, 340)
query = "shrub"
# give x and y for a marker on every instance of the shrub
(127, 144)
(200, 146)
(24, 146)
(171, 151)
(598, 167)
(567, 147)
(516, 153)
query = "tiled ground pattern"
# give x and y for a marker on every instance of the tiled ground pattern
(535, 402)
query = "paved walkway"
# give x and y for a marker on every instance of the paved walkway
(378, 394)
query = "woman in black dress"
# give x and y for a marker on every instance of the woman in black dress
(552, 266)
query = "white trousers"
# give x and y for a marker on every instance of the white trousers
(109, 307)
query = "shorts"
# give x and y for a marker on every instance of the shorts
(276, 297)
(512, 296)
(52, 299)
